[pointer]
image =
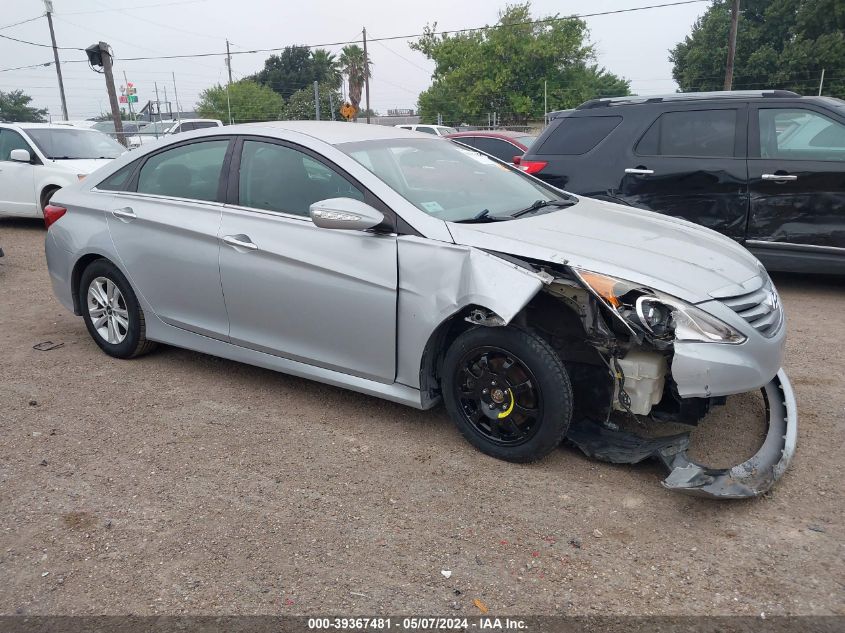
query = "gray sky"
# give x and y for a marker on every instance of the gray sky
(634, 45)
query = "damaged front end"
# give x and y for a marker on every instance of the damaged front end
(642, 354)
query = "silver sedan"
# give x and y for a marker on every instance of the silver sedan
(411, 268)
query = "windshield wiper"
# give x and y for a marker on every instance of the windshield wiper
(481, 217)
(541, 204)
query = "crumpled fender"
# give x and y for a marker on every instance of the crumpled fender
(438, 279)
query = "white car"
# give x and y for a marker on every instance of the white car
(437, 130)
(157, 129)
(38, 159)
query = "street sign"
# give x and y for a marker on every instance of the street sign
(348, 111)
(122, 99)
(133, 98)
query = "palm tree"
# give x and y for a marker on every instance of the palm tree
(356, 69)
(326, 68)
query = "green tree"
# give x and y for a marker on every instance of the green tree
(356, 69)
(14, 107)
(249, 102)
(780, 44)
(300, 106)
(325, 68)
(504, 68)
(287, 72)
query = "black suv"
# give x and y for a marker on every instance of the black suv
(766, 168)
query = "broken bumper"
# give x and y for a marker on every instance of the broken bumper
(748, 479)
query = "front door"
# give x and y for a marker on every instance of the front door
(796, 171)
(691, 164)
(17, 180)
(165, 231)
(321, 296)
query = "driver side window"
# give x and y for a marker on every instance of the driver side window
(278, 178)
(9, 140)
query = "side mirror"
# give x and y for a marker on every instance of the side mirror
(20, 156)
(345, 213)
(516, 160)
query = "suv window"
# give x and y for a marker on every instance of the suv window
(426, 129)
(695, 133)
(279, 178)
(497, 147)
(800, 134)
(9, 140)
(578, 135)
(188, 171)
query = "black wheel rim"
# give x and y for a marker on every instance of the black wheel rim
(498, 396)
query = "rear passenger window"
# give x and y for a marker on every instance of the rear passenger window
(694, 133)
(498, 148)
(189, 171)
(578, 135)
(119, 179)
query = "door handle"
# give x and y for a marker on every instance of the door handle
(779, 177)
(126, 214)
(639, 171)
(240, 241)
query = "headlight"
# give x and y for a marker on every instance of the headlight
(659, 314)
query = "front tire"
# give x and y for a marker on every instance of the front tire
(111, 311)
(508, 392)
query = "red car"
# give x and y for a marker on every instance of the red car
(503, 144)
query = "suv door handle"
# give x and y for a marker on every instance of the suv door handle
(240, 241)
(638, 170)
(126, 214)
(779, 177)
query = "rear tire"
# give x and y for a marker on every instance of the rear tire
(46, 195)
(111, 311)
(508, 392)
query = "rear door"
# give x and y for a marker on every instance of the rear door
(165, 230)
(691, 164)
(797, 177)
(320, 296)
(17, 180)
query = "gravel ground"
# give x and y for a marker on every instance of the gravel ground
(179, 483)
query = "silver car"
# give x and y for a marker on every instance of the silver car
(411, 268)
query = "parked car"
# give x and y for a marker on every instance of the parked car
(766, 168)
(436, 130)
(341, 253)
(155, 130)
(129, 127)
(503, 144)
(36, 159)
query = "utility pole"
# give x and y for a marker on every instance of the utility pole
(317, 99)
(105, 52)
(729, 71)
(366, 74)
(331, 105)
(545, 102)
(229, 62)
(821, 83)
(48, 5)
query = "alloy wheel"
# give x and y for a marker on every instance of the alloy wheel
(108, 311)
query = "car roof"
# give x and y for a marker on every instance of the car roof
(46, 126)
(332, 132)
(492, 133)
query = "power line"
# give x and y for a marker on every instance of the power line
(140, 6)
(8, 26)
(64, 48)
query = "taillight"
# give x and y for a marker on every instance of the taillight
(52, 213)
(532, 166)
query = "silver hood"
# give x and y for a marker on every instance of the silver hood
(664, 253)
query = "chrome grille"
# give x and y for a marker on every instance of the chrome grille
(760, 308)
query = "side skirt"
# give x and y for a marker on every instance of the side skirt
(159, 331)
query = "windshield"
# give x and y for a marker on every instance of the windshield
(449, 181)
(71, 143)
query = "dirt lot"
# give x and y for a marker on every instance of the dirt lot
(181, 483)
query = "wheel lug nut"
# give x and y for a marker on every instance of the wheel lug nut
(485, 391)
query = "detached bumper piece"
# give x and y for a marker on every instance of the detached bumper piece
(748, 479)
